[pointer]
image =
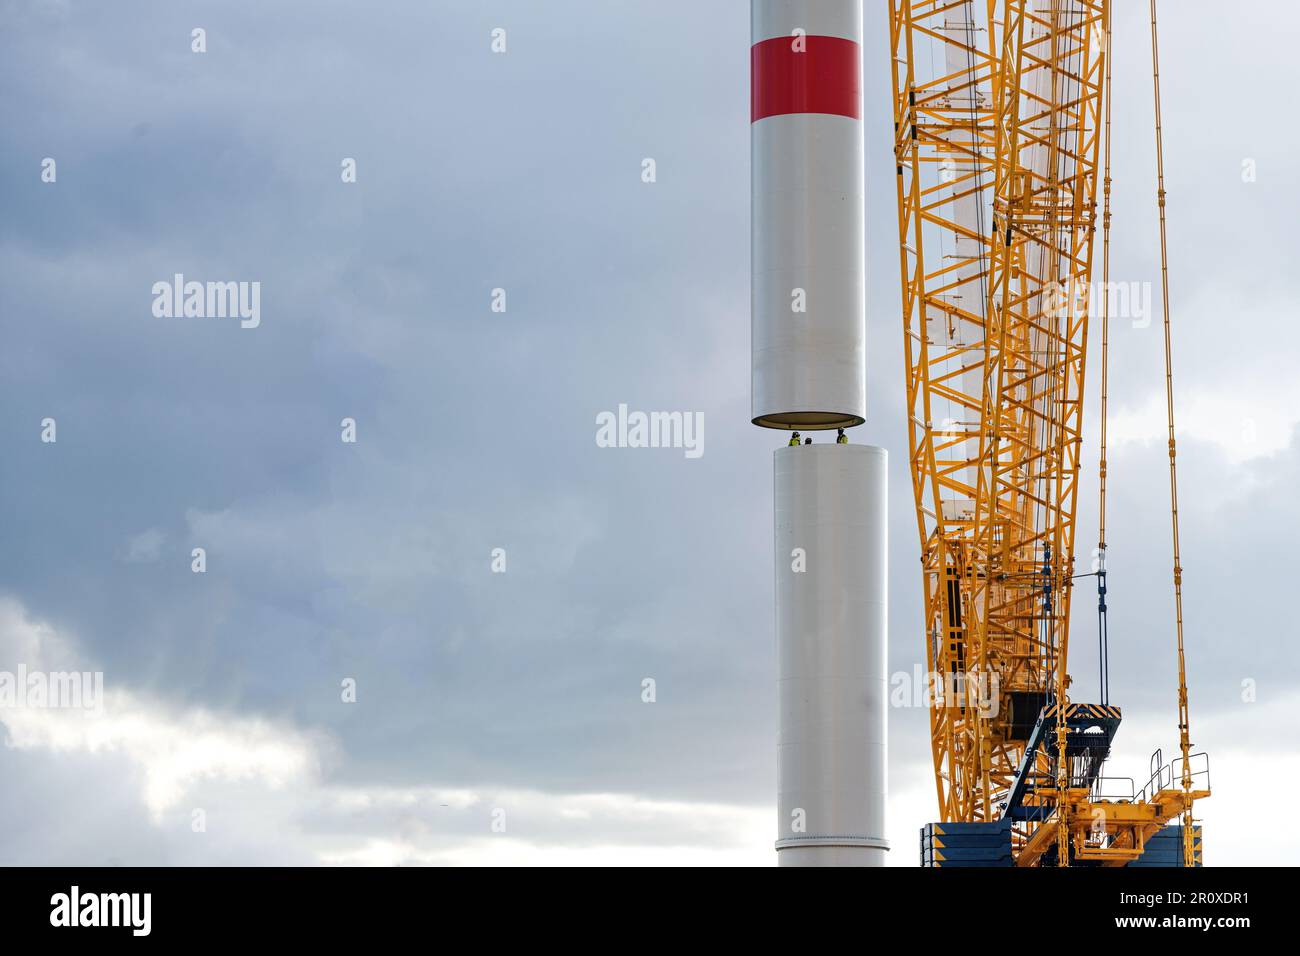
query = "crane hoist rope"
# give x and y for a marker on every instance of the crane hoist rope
(1103, 637)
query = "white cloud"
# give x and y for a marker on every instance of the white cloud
(173, 750)
(258, 770)
(144, 547)
(491, 851)
(542, 829)
(1244, 421)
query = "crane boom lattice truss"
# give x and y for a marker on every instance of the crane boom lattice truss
(997, 174)
(998, 118)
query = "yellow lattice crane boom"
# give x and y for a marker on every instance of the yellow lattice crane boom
(998, 119)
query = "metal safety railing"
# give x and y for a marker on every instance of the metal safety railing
(1169, 776)
(1117, 789)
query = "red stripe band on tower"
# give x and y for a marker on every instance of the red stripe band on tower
(825, 76)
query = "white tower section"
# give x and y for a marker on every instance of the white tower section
(808, 287)
(809, 373)
(831, 618)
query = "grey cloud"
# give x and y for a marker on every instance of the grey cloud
(371, 560)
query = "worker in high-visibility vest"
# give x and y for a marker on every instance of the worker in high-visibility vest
(794, 439)
(842, 438)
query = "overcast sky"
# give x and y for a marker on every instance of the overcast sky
(521, 691)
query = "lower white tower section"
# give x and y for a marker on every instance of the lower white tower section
(831, 614)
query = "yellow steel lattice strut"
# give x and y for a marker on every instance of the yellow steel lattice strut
(1184, 722)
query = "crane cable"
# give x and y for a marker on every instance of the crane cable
(1184, 731)
(1103, 644)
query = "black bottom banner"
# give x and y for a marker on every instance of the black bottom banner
(334, 906)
